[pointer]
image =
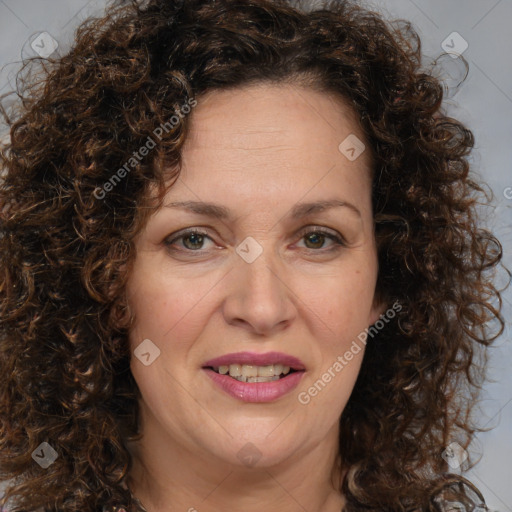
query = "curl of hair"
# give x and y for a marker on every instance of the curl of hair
(66, 254)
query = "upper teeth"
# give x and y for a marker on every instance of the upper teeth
(248, 370)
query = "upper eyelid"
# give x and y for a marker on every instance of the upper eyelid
(206, 230)
(187, 231)
(302, 232)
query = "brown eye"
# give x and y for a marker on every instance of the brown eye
(191, 240)
(317, 238)
(195, 238)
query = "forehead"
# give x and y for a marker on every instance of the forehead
(272, 116)
(264, 145)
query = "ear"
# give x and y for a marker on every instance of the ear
(378, 308)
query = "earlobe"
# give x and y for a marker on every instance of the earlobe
(378, 308)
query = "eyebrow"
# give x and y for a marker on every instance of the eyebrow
(298, 211)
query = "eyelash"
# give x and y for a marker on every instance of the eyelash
(337, 239)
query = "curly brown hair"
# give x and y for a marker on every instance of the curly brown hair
(66, 254)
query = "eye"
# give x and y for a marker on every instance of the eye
(193, 240)
(317, 237)
(195, 236)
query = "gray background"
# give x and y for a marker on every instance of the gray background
(483, 101)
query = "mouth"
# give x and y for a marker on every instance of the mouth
(253, 373)
(255, 367)
(253, 377)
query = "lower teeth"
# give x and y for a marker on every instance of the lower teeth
(256, 379)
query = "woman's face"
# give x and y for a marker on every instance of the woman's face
(256, 280)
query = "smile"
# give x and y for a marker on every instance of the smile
(252, 373)
(253, 377)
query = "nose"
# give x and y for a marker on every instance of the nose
(259, 299)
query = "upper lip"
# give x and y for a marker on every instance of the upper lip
(256, 359)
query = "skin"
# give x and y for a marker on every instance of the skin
(257, 150)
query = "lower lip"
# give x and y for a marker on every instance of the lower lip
(256, 391)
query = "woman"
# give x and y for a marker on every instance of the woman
(242, 269)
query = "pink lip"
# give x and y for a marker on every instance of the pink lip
(256, 359)
(255, 391)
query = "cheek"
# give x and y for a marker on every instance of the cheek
(164, 306)
(342, 303)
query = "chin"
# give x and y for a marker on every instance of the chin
(255, 451)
